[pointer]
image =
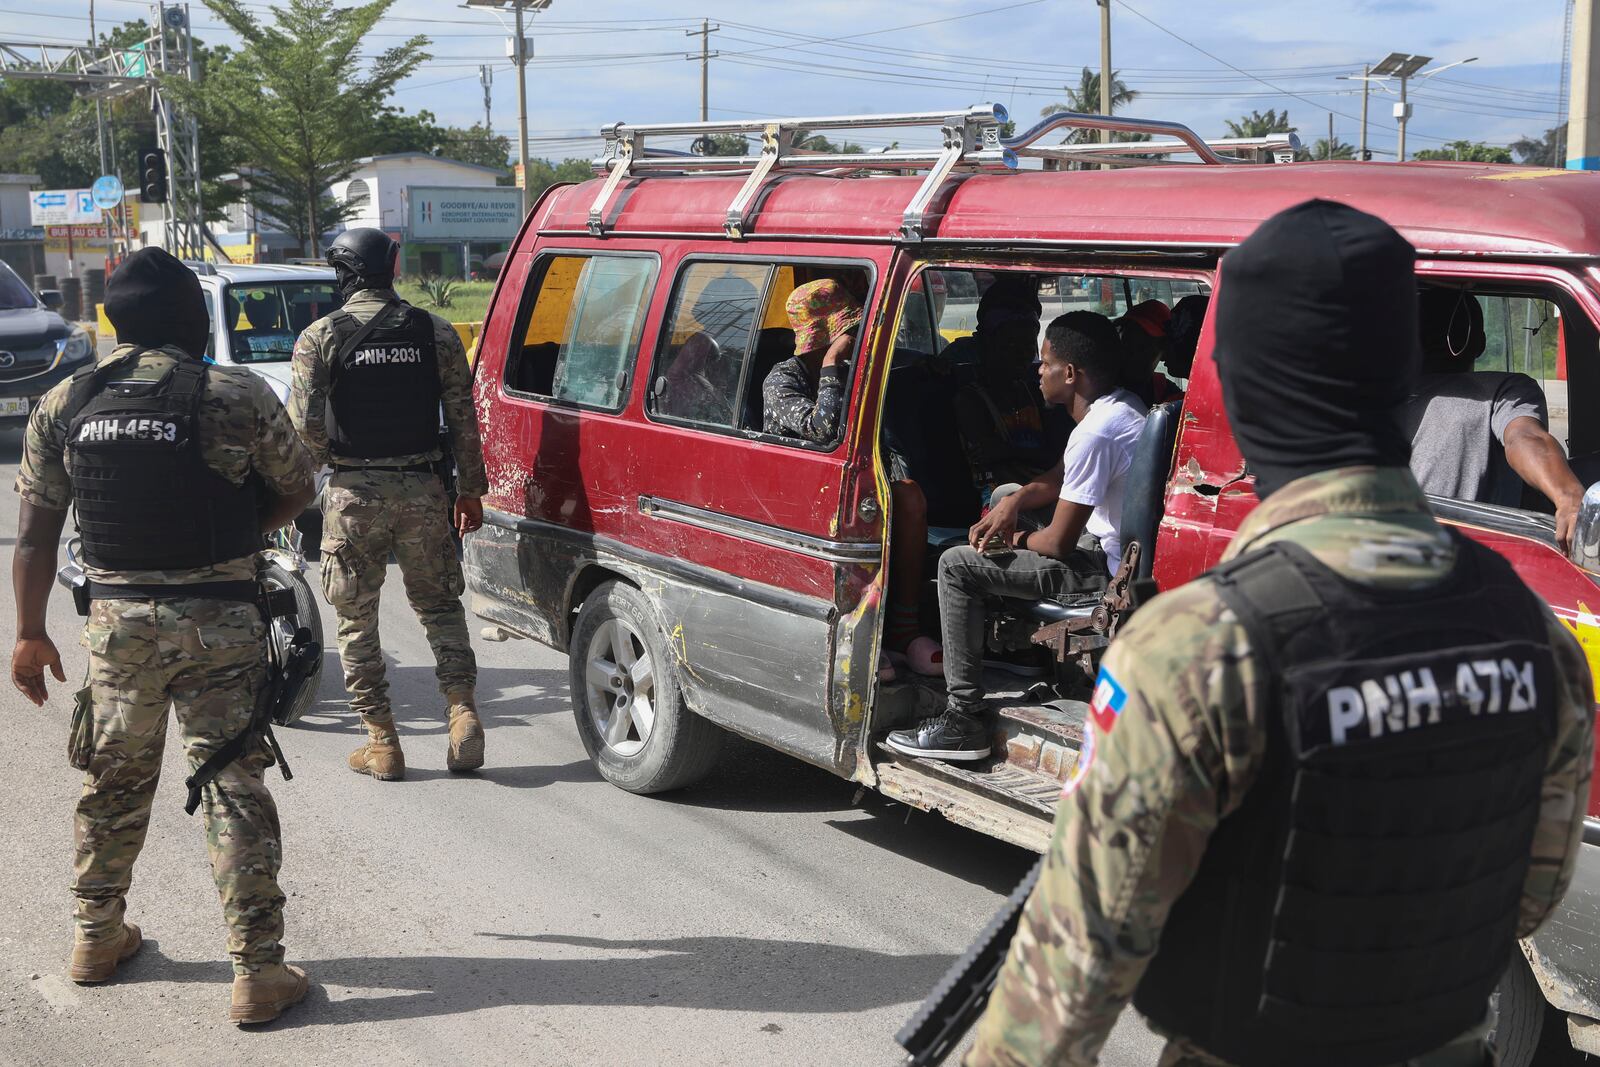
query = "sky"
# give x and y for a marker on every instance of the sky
(1199, 62)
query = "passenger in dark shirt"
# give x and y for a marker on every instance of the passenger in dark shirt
(804, 397)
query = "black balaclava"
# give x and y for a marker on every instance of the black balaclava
(152, 300)
(349, 283)
(1317, 343)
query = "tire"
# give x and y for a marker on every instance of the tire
(1516, 1012)
(675, 746)
(276, 576)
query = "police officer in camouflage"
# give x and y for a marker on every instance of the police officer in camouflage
(175, 469)
(369, 380)
(1326, 786)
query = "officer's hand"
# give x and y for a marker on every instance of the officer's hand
(1567, 522)
(469, 514)
(28, 661)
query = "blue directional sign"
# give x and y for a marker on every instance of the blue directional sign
(49, 200)
(106, 192)
(62, 207)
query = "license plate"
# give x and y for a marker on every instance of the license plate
(13, 406)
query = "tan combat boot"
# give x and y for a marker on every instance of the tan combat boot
(96, 961)
(380, 756)
(466, 735)
(262, 997)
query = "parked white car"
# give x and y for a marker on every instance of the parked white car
(257, 313)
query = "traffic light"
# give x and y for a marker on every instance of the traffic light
(152, 176)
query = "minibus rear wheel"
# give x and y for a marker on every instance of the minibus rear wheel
(627, 700)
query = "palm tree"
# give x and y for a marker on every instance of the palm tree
(1085, 99)
(1341, 150)
(1256, 124)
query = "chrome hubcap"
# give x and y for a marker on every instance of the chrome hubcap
(621, 683)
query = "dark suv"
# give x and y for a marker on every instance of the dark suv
(38, 347)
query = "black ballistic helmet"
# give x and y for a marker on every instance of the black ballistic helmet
(366, 253)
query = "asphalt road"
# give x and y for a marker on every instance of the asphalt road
(530, 914)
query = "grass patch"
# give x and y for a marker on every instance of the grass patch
(468, 301)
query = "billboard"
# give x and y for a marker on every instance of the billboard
(487, 213)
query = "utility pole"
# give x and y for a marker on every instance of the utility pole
(1402, 112)
(522, 107)
(99, 106)
(1105, 64)
(486, 79)
(704, 33)
(1329, 153)
(1366, 91)
(1583, 120)
(519, 55)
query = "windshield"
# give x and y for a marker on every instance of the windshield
(13, 294)
(265, 320)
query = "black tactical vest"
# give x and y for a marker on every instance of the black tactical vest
(144, 496)
(1360, 905)
(384, 398)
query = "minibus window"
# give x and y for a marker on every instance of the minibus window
(582, 328)
(713, 320)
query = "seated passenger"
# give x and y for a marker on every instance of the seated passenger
(702, 378)
(1183, 334)
(804, 397)
(1001, 416)
(1077, 552)
(1475, 433)
(1143, 331)
(1010, 298)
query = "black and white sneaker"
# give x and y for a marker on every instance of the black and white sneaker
(951, 736)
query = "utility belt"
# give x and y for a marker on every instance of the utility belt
(410, 468)
(272, 602)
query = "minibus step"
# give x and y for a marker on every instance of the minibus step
(1012, 795)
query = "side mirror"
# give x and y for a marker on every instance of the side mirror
(1585, 551)
(51, 298)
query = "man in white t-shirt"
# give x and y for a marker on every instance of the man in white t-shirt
(1077, 552)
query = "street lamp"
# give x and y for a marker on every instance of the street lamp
(520, 57)
(1404, 66)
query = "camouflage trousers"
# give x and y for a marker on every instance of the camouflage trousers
(365, 516)
(206, 659)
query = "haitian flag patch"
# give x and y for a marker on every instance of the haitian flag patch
(1109, 697)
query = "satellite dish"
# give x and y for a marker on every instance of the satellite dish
(174, 18)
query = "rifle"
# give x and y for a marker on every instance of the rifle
(961, 995)
(272, 702)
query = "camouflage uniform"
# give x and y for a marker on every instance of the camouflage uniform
(1187, 747)
(368, 514)
(204, 657)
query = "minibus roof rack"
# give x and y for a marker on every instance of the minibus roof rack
(971, 142)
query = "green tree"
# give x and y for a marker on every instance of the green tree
(47, 129)
(1467, 152)
(722, 144)
(1084, 98)
(300, 104)
(1340, 150)
(1256, 124)
(1549, 150)
(815, 142)
(542, 174)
